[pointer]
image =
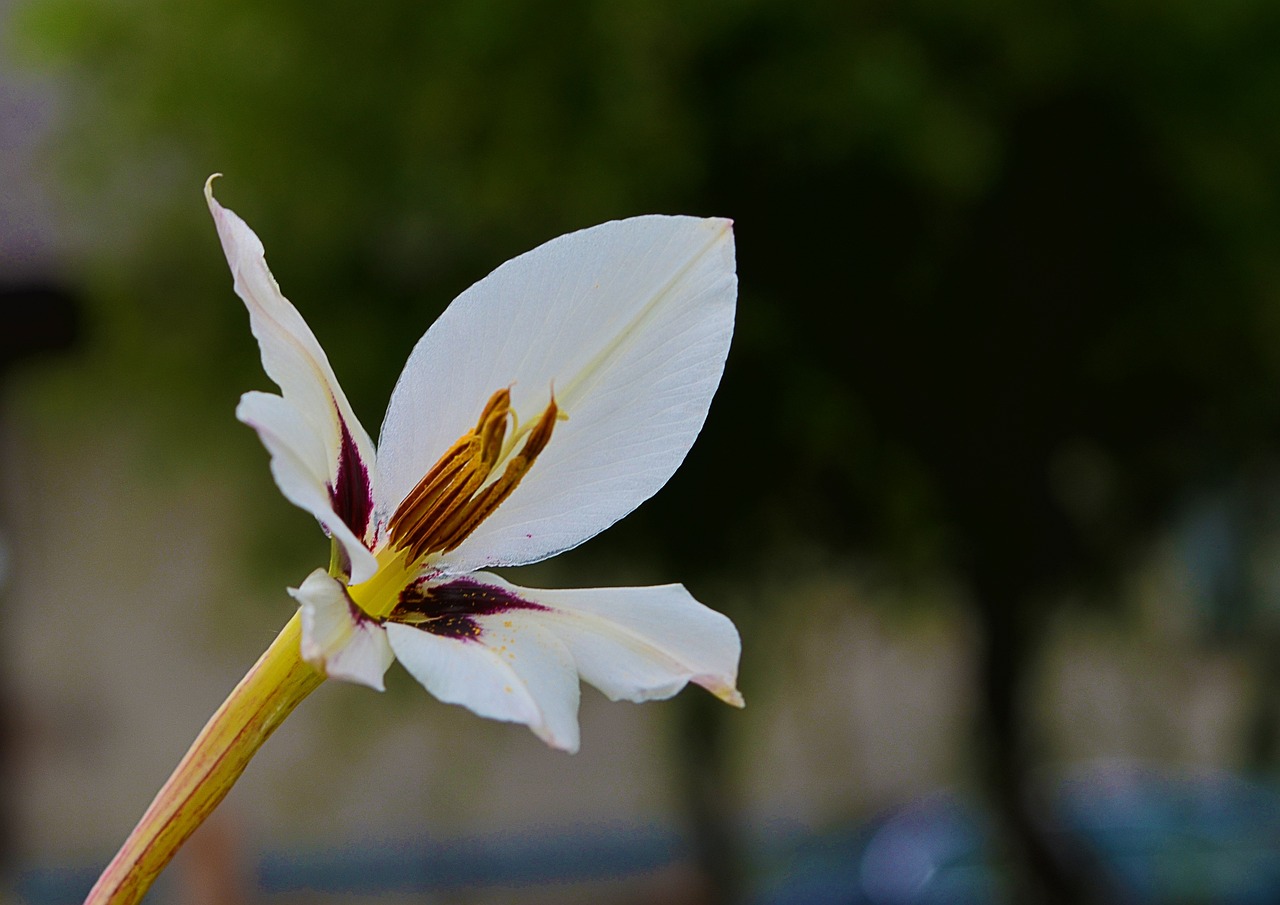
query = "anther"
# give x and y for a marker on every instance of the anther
(452, 498)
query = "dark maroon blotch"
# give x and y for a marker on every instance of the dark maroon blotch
(450, 610)
(350, 494)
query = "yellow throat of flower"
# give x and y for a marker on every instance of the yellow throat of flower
(454, 497)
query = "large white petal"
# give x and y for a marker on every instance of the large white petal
(514, 670)
(629, 322)
(292, 358)
(336, 637)
(638, 644)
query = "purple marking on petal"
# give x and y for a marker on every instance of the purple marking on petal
(450, 610)
(359, 616)
(350, 494)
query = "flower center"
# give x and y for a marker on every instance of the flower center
(453, 498)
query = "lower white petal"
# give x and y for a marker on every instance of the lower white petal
(639, 644)
(337, 638)
(513, 669)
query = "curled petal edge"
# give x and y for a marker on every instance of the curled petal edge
(337, 638)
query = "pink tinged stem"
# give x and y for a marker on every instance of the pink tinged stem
(265, 696)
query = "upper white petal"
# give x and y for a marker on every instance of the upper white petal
(638, 644)
(292, 358)
(629, 322)
(335, 638)
(516, 672)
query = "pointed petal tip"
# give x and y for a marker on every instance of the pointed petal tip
(722, 687)
(722, 227)
(355, 677)
(363, 567)
(730, 696)
(567, 746)
(214, 206)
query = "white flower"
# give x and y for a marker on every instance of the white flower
(548, 401)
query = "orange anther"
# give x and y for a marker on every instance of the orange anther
(452, 498)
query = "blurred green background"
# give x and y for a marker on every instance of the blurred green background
(990, 485)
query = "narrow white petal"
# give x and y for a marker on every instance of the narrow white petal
(299, 463)
(336, 638)
(629, 322)
(514, 671)
(292, 358)
(639, 644)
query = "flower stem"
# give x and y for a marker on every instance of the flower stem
(265, 696)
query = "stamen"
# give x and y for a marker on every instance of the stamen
(483, 505)
(452, 499)
(492, 427)
(457, 476)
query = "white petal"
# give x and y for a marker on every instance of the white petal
(639, 644)
(514, 671)
(293, 358)
(336, 638)
(629, 322)
(299, 463)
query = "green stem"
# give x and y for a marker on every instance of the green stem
(265, 696)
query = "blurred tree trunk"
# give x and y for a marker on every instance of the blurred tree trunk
(1044, 867)
(702, 758)
(1262, 751)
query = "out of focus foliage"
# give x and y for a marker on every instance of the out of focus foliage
(1008, 269)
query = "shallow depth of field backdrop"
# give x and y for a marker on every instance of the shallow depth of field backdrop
(990, 486)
